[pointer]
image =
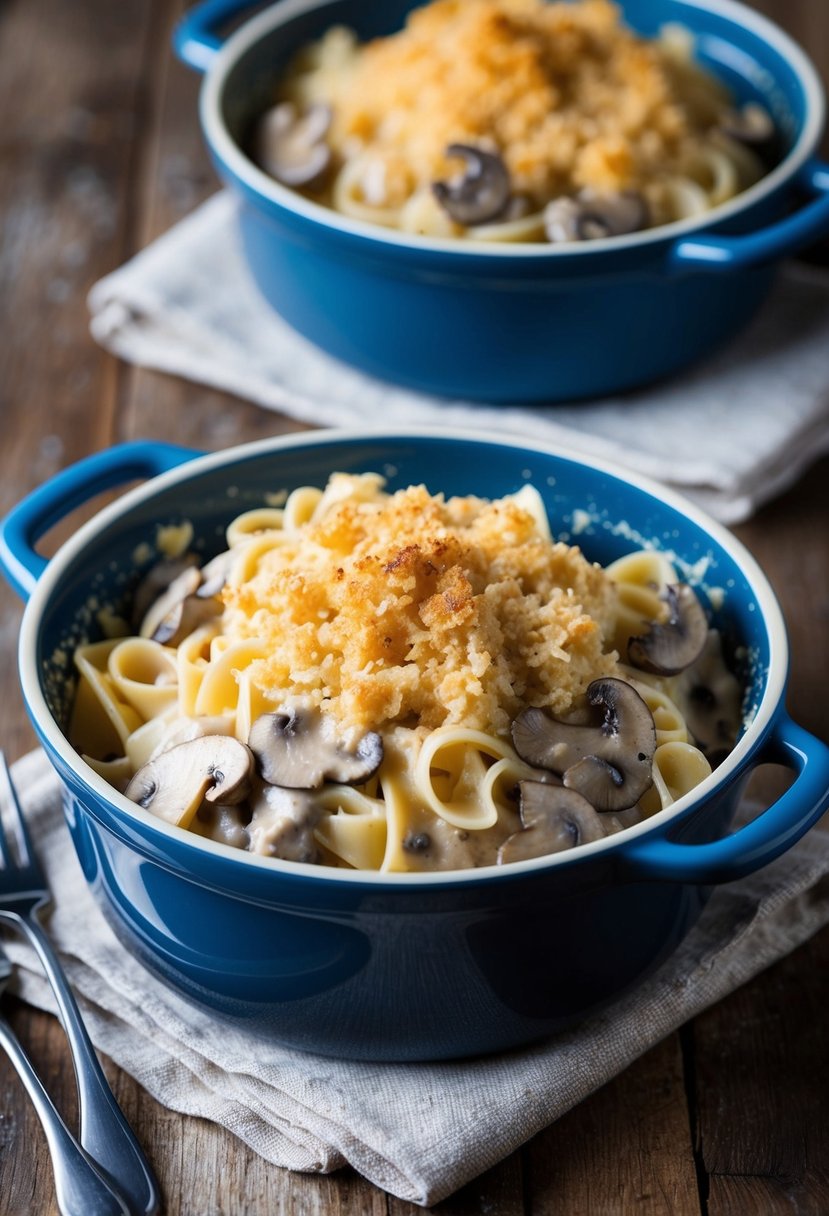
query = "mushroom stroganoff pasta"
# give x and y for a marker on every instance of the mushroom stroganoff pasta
(511, 120)
(403, 681)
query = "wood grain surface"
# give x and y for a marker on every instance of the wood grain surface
(100, 152)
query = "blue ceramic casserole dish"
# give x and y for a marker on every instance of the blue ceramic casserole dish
(514, 323)
(405, 966)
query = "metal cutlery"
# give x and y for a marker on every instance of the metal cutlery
(105, 1136)
(79, 1187)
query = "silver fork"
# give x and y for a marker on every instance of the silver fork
(105, 1134)
(79, 1188)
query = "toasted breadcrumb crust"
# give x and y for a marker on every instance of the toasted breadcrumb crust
(568, 94)
(415, 610)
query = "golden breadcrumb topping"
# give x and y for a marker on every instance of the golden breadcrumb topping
(411, 609)
(568, 94)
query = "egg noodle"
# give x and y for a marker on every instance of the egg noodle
(569, 97)
(431, 621)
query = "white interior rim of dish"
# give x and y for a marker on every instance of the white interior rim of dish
(766, 603)
(260, 182)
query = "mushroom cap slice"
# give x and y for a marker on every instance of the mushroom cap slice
(609, 760)
(291, 145)
(589, 215)
(225, 823)
(282, 824)
(554, 819)
(176, 591)
(751, 124)
(598, 781)
(611, 214)
(669, 648)
(214, 767)
(711, 697)
(155, 582)
(481, 194)
(539, 741)
(185, 597)
(561, 219)
(214, 574)
(299, 749)
(184, 617)
(183, 730)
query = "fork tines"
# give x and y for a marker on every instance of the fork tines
(13, 828)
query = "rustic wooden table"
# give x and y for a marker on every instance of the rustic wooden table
(101, 152)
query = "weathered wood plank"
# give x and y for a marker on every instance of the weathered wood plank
(626, 1149)
(790, 540)
(762, 1056)
(102, 154)
(176, 177)
(205, 1171)
(762, 1064)
(70, 82)
(70, 91)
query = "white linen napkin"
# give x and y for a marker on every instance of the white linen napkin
(732, 432)
(417, 1130)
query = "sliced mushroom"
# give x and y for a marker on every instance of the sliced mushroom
(187, 602)
(481, 193)
(184, 617)
(214, 575)
(589, 216)
(225, 823)
(561, 219)
(608, 761)
(183, 730)
(751, 125)
(216, 767)
(282, 825)
(671, 647)
(183, 585)
(554, 819)
(711, 699)
(155, 582)
(291, 146)
(300, 749)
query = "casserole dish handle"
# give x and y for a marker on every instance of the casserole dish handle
(21, 564)
(724, 253)
(657, 858)
(194, 40)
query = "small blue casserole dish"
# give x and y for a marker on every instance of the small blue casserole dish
(514, 323)
(403, 966)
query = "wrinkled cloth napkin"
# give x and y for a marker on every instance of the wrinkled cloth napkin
(417, 1130)
(731, 433)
